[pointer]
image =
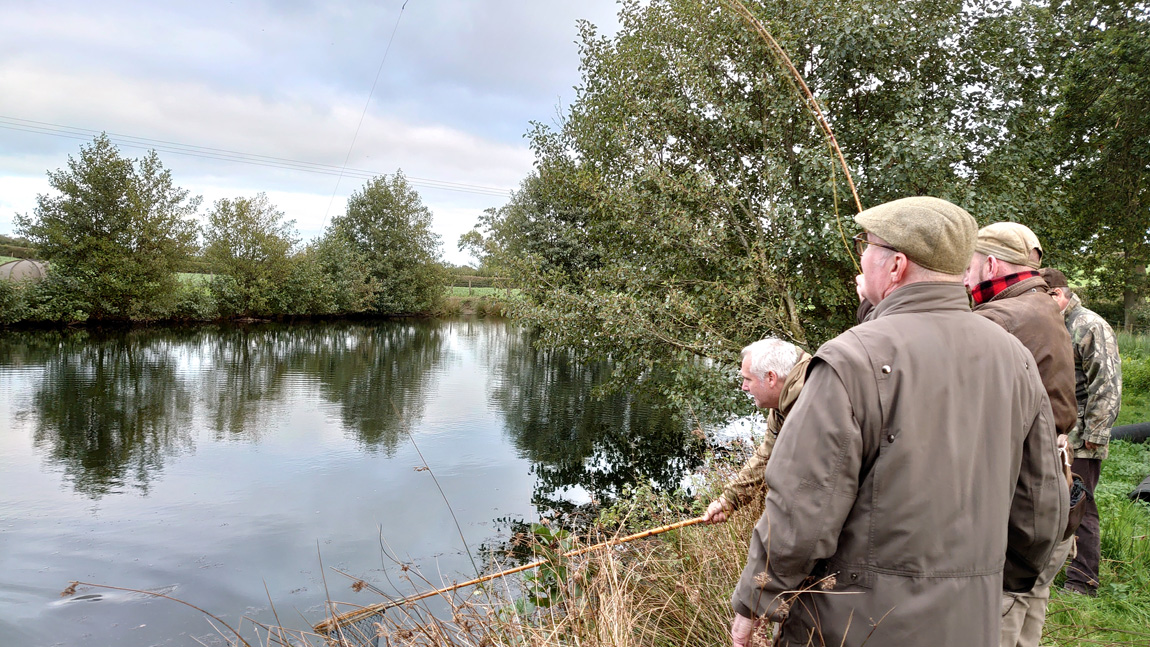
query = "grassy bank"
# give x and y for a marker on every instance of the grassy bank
(1120, 615)
(1135, 352)
(478, 305)
(501, 293)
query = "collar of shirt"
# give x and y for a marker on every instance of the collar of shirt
(987, 290)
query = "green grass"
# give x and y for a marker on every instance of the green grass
(1135, 352)
(456, 291)
(1133, 345)
(189, 278)
(1120, 615)
(5, 259)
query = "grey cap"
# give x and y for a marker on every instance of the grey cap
(931, 232)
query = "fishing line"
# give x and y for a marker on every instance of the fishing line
(811, 103)
(364, 113)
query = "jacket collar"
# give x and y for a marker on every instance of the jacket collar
(793, 385)
(1007, 286)
(1075, 303)
(928, 296)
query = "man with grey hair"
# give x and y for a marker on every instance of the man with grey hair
(903, 494)
(772, 372)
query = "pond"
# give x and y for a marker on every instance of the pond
(209, 463)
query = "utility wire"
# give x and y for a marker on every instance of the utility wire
(364, 113)
(204, 152)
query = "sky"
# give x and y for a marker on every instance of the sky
(286, 82)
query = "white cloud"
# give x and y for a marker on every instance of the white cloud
(290, 80)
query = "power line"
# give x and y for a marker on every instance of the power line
(365, 105)
(204, 152)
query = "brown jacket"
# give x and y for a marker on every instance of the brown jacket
(1026, 311)
(902, 484)
(748, 483)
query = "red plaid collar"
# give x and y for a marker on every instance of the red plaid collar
(987, 290)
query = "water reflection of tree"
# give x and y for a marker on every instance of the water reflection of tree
(576, 437)
(377, 374)
(110, 407)
(244, 381)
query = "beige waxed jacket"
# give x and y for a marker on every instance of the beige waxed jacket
(904, 486)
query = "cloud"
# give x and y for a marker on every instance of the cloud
(290, 80)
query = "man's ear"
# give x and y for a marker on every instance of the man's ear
(992, 266)
(898, 270)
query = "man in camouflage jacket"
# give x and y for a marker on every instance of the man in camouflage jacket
(773, 374)
(1098, 388)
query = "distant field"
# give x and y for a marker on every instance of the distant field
(457, 291)
(194, 279)
(5, 259)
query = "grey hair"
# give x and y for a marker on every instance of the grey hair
(771, 354)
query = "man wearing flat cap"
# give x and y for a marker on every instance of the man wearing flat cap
(917, 474)
(1098, 387)
(1007, 289)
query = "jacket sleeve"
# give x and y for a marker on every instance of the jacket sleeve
(1103, 368)
(813, 482)
(748, 483)
(1040, 505)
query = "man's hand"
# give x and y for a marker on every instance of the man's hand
(742, 628)
(1089, 445)
(718, 512)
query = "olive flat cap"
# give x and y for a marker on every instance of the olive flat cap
(931, 232)
(1010, 242)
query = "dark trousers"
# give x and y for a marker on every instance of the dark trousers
(1082, 572)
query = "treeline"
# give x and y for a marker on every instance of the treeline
(687, 204)
(16, 247)
(119, 237)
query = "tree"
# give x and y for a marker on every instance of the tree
(248, 243)
(1102, 154)
(388, 226)
(687, 204)
(117, 229)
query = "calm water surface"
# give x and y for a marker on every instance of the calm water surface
(209, 463)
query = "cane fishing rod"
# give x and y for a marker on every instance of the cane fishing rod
(331, 624)
(811, 103)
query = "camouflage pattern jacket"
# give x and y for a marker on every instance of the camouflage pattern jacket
(748, 483)
(1098, 379)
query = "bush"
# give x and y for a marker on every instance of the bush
(60, 297)
(225, 293)
(1136, 374)
(194, 303)
(13, 302)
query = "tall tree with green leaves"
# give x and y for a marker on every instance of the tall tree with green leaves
(688, 204)
(247, 242)
(114, 231)
(1102, 153)
(1065, 86)
(388, 226)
